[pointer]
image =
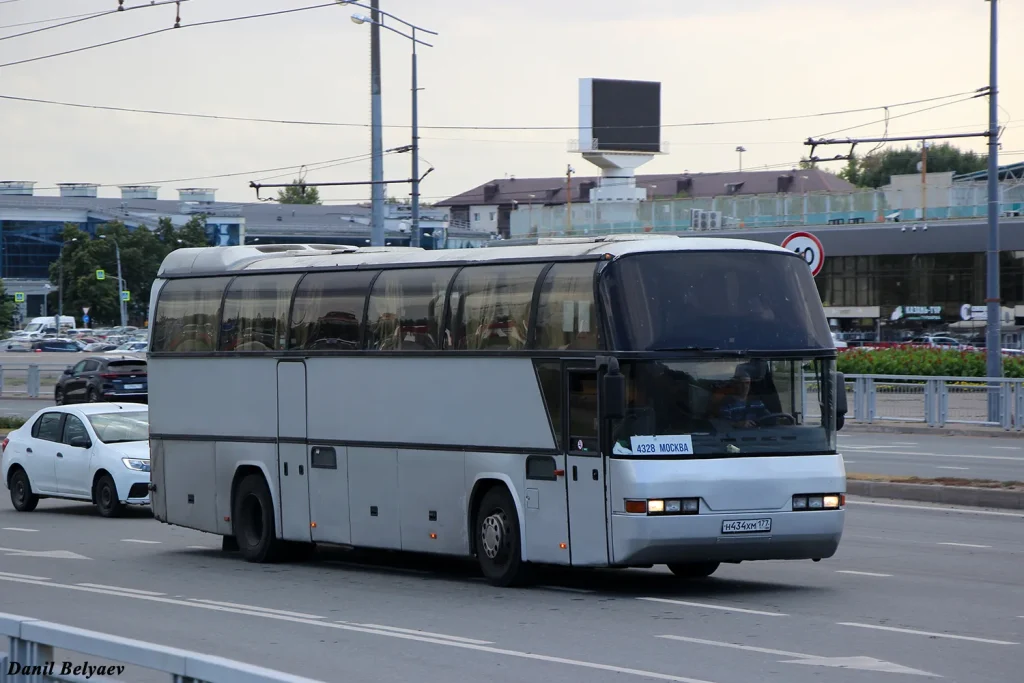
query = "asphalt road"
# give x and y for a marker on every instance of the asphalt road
(929, 456)
(914, 591)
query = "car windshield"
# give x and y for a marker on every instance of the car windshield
(732, 300)
(121, 427)
(727, 407)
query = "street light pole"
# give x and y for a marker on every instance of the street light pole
(120, 281)
(993, 336)
(376, 135)
(60, 284)
(415, 152)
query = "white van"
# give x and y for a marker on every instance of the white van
(40, 324)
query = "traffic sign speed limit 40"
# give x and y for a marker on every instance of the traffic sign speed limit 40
(807, 246)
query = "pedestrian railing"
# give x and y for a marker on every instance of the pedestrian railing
(934, 401)
(29, 380)
(31, 646)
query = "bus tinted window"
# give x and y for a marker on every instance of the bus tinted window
(187, 315)
(736, 300)
(566, 315)
(256, 313)
(491, 307)
(328, 310)
(406, 309)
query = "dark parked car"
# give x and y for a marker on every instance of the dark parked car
(55, 345)
(98, 379)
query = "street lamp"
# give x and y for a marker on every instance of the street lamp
(740, 150)
(120, 281)
(60, 283)
(363, 19)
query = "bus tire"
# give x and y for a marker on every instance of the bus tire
(694, 570)
(498, 543)
(253, 521)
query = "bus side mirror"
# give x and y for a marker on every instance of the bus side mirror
(840, 400)
(613, 395)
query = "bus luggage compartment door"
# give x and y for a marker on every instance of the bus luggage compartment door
(293, 469)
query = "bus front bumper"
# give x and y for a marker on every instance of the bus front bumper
(639, 540)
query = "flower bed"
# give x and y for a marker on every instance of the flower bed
(917, 360)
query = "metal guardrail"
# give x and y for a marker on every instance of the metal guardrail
(29, 380)
(30, 657)
(932, 401)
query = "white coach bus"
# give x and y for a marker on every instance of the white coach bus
(618, 402)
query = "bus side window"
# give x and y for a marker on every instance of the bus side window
(328, 310)
(187, 315)
(566, 315)
(494, 307)
(550, 375)
(583, 423)
(400, 315)
(256, 312)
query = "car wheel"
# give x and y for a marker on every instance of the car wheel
(105, 497)
(58, 396)
(94, 397)
(22, 497)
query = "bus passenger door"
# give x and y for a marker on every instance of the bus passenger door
(584, 472)
(291, 450)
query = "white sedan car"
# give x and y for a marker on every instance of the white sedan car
(92, 452)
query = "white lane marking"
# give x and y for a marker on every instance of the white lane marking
(863, 663)
(849, 462)
(138, 540)
(724, 608)
(965, 545)
(415, 632)
(300, 615)
(24, 576)
(18, 528)
(939, 455)
(903, 443)
(931, 508)
(359, 629)
(120, 588)
(950, 467)
(564, 589)
(850, 571)
(199, 547)
(930, 634)
(1007, 448)
(52, 554)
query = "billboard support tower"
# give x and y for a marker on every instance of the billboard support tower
(619, 131)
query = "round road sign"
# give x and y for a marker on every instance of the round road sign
(809, 247)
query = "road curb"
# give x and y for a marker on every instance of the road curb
(931, 493)
(874, 428)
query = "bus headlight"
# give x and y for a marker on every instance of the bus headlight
(668, 506)
(819, 501)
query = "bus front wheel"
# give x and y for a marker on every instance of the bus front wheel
(498, 544)
(253, 521)
(694, 570)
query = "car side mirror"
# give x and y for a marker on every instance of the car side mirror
(841, 407)
(80, 442)
(68, 370)
(613, 392)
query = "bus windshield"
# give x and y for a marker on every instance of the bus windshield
(714, 300)
(727, 407)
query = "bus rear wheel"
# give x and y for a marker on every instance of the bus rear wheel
(694, 570)
(498, 544)
(253, 521)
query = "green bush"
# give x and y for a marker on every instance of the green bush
(917, 360)
(11, 422)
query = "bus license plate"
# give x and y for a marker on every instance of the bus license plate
(746, 526)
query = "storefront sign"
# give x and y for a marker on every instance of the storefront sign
(917, 313)
(853, 312)
(969, 312)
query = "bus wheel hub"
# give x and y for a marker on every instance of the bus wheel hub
(493, 535)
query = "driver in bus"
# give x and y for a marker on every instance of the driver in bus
(737, 406)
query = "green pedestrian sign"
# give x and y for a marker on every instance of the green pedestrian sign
(126, 295)
(101, 275)
(19, 297)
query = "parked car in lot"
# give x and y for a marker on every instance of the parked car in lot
(96, 453)
(56, 346)
(103, 378)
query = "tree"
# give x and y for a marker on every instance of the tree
(142, 252)
(876, 170)
(297, 193)
(7, 309)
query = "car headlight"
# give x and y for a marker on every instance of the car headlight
(136, 464)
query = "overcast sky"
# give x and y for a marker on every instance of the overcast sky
(495, 63)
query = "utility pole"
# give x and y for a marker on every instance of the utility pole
(415, 153)
(568, 199)
(924, 180)
(376, 124)
(993, 336)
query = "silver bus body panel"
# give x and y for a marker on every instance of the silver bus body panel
(729, 489)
